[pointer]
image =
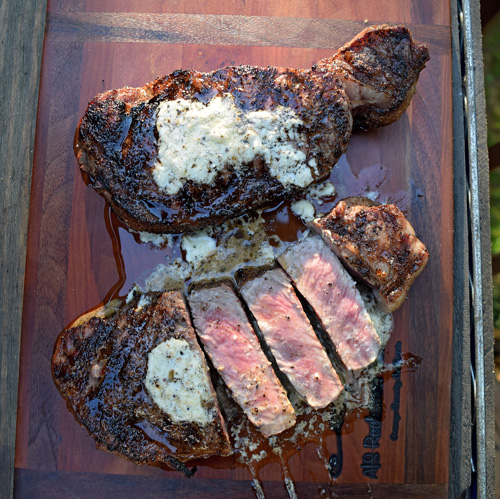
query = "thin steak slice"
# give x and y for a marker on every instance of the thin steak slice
(325, 284)
(194, 149)
(378, 244)
(290, 336)
(233, 347)
(138, 382)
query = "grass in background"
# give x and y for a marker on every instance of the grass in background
(491, 50)
(491, 53)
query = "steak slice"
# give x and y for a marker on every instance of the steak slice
(139, 383)
(325, 284)
(378, 244)
(234, 349)
(290, 336)
(194, 149)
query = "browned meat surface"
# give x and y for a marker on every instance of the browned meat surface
(378, 244)
(380, 70)
(116, 142)
(290, 336)
(325, 284)
(233, 347)
(101, 366)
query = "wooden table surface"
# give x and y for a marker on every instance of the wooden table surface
(90, 46)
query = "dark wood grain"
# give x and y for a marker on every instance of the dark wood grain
(21, 36)
(37, 484)
(77, 252)
(430, 12)
(223, 30)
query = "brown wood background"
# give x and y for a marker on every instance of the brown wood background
(71, 266)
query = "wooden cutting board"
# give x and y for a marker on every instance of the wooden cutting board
(79, 255)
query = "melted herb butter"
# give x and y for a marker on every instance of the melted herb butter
(102, 312)
(382, 321)
(197, 140)
(165, 277)
(155, 239)
(198, 246)
(240, 243)
(251, 447)
(318, 191)
(177, 382)
(217, 253)
(304, 210)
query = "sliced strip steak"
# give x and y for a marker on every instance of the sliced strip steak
(286, 329)
(378, 244)
(234, 349)
(138, 382)
(330, 290)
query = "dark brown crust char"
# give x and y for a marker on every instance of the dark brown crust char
(377, 244)
(374, 76)
(110, 399)
(382, 59)
(115, 144)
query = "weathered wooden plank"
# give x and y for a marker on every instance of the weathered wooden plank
(37, 484)
(480, 249)
(223, 30)
(428, 12)
(22, 26)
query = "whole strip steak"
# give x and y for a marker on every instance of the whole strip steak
(193, 149)
(290, 336)
(110, 372)
(330, 290)
(234, 349)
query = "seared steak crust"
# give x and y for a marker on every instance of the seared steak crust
(376, 243)
(100, 367)
(116, 140)
(115, 144)
(380, 70)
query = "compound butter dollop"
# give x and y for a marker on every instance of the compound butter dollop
(197, 140)
(177, 382)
